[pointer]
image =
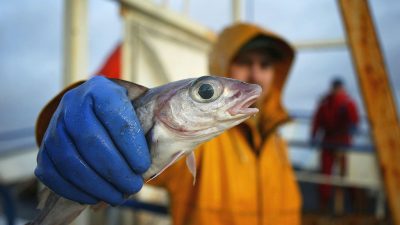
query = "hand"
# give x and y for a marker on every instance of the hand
(94, 148)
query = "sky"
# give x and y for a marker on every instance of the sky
(31, 47)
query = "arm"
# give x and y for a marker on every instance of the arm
(353, 116)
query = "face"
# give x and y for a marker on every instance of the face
(253, 66)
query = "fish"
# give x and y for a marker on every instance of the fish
(176, 118)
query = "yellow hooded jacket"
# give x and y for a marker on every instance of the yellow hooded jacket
(236, 183)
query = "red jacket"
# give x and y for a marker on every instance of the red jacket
(336, 117)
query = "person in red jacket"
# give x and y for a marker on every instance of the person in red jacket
(334, 122)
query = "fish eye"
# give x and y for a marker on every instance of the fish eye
(206, 89)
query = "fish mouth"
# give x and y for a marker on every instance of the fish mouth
(243, 106)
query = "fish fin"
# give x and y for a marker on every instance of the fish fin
(43, 196)
(191, 164)
(134, 90)
(174, 159)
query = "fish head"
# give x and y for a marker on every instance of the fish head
(202, 108)
(189, 112)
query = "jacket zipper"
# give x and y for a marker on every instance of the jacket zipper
(259, 191)
(257, 153)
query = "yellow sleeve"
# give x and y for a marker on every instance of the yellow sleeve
(292, 190)
(283, 149)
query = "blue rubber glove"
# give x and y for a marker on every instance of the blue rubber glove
(94, 148)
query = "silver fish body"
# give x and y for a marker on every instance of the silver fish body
(176, 118)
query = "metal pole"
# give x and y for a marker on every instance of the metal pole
(126, 61)
(321, 44)
(130, 50)
(236, 10)
(186, 7)
(75, 55)
(75, 41)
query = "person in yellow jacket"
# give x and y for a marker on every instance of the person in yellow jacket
(244, 176)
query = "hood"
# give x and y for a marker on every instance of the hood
(229, 42)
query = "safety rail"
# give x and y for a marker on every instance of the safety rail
(23, 140)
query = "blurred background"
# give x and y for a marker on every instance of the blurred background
(45, 45)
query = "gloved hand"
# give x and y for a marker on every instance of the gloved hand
(94, 148)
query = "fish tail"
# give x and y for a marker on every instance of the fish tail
(56, 210)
